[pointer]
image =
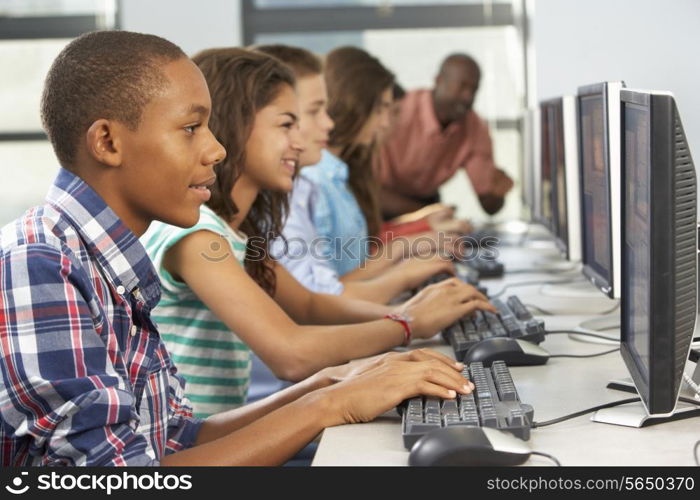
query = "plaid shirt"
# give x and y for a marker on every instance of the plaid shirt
(86, 379)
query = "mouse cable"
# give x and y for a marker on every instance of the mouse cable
(695, 453)
(553, 458)
(602, 407)
(574, 332)
(584, 355)
(583, 412)
(691, 383)
(528, 283)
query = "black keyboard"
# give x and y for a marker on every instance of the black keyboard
(481, 234)
(493, 403)
(513, 320)
(485, 266)
(465, 274)
(468, 275)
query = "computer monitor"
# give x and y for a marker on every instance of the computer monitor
(599, 157)
(659, 256)
(530, 163)
(562, 145)
(545, 179)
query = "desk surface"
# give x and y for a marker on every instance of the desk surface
(562, 386)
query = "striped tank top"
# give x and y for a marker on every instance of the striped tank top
(213, 360)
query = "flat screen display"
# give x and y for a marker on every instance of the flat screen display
(597, 248)
(637, 234)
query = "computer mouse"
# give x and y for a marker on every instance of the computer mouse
(464, 445)
(514, 352)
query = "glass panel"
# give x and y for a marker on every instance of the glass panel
(458, 190)
(415, 55)
(29, 8)
(381, 4)
(319, 43)
(29, 168)
(27, 62)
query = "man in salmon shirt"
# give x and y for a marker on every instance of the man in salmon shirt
(437, 133)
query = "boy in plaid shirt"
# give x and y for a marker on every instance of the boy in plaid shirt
(86, 379)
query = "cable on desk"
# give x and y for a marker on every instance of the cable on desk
(527, 283)
(691, 383)
(589, 334)
(602, 407)
(551, 457)
(583, 412)
(584, 355)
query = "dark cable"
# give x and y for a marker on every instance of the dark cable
(554, 332)
(583, 412)
(547, 455)
(604, 406)
(584, 355)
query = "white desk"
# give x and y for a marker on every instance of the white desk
(560, 387)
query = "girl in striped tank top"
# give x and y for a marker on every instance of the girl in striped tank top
(223, 293)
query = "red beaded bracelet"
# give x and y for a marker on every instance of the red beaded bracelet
(405, 322)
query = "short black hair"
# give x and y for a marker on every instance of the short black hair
(461, 58)
(103, 74)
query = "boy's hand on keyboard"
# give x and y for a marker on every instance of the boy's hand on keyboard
(438, 306)
(416, 271)
(383, 382)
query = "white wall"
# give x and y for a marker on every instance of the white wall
(193, 25)
(650, 44)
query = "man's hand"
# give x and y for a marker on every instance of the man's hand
(501, 183)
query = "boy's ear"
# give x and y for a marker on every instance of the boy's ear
(104, 143)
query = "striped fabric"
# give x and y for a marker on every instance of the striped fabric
(86, 379)
(213, 360)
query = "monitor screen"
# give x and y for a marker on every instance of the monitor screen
(559, 198)
(659, 248)
(636, 268)
(546, 172)
(595, 177)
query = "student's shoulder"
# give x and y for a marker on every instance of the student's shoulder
(40, 226)
(40, 239)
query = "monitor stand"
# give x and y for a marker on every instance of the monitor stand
(607, 326)
(576, 290)
(635, 415)
(548, 265)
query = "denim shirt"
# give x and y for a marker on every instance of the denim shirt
(340, 224)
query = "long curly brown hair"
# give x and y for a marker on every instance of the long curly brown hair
(355, 82)
(242, 82)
